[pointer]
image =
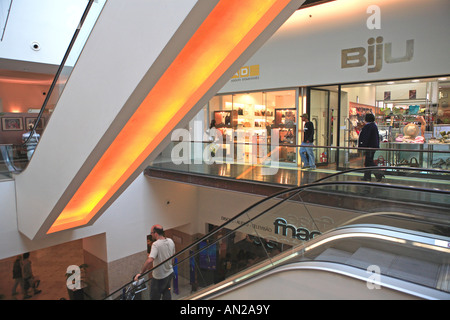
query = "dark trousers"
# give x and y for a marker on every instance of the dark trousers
(368, 162)
(160, 288)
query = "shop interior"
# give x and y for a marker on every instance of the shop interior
(411, 114)
(258, 115)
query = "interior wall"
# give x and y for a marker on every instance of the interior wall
(48, 22)
(21, 97)
(147, 202)
(307, 49)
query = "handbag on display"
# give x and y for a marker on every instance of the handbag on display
(380, 161)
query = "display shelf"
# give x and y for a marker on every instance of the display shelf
(423, 155)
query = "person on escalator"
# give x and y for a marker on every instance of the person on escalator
(32, 142)
(370, 138)
(162, 249)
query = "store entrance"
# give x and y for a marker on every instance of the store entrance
(323, 107)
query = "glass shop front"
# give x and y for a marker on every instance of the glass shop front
(410, 113)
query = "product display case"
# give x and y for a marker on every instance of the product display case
(285, 123)
(414, 140)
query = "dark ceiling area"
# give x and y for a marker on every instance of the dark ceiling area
(310, 3)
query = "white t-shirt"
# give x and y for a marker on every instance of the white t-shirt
(161, 251)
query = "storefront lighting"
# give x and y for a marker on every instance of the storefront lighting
(230, 28)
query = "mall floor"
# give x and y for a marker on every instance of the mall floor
(50, 265)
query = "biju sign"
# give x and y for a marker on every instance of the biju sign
(373, 56)
(377, 52)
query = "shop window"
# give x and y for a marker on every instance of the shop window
(257, 114)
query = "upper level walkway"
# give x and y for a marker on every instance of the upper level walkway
(265, 178)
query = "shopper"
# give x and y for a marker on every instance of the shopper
(212, 137)
(28, 277)
(32, 142)
(162, 249)
(17, 276)
(306, 150)
(212, 131)
(370, 138)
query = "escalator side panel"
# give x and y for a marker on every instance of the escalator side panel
(311, 284)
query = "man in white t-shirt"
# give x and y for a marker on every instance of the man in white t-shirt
(162, 249)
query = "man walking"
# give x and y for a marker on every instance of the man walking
(370, 138)
(306, 150)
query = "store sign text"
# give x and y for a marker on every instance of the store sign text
(373, 55)
(296, 233)
(246, 73)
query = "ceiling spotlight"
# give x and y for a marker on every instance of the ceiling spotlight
(35, 46)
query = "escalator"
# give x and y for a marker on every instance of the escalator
(358, 262)
(6, 161)
(12, 160)
(327, 240)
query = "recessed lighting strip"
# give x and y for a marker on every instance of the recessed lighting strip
(224, 35)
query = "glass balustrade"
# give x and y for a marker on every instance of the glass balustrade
(263, 163)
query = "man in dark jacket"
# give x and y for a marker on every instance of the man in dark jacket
(306, 150)
(370, 138)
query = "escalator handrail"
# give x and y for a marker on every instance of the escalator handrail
(58, 72)
(277, 194)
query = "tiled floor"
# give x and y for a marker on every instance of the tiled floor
(50, 265)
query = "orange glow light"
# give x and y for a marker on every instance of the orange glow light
(224, 35)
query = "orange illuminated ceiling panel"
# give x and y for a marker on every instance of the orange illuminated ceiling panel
(225, 34)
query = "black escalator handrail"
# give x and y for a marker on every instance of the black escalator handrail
(296, 190)
(58, 72)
